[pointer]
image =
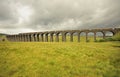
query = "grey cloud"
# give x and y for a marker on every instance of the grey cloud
(58, 12)
(4, 11)
(8, 16)
(61, 14)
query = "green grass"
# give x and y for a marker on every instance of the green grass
(35, 59)
(116, 37)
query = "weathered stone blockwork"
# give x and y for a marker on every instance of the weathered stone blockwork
(43, 36)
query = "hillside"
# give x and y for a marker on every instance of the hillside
(1, 34)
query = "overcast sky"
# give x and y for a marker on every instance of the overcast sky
(18, 16)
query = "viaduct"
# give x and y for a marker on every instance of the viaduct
(43, 36)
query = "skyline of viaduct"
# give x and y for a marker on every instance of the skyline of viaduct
(43, 36)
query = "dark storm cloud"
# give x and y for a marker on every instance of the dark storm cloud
(59, 14)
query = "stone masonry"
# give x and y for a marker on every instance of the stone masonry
(43, 36)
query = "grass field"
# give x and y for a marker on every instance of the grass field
(35, 59)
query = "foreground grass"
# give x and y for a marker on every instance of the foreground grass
(60, 59)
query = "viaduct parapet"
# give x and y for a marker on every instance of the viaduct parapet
(43, 36)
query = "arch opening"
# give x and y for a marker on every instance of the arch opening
(91, 36)
(54, 38)
(29, 37)
(38, 37)
(34, 37)
(49, 35)
(108, 34)
(58, 37)
(75, 36)
(46, 37)
(42, 37)
(67, 37)
(82, 36)
(99, 35)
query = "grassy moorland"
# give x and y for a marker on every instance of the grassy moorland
(57, 59)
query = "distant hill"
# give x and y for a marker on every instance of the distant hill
(3, 34)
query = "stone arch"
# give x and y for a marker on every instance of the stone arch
(19, 37)
(46, 36)
(33, 37)
(91, 36)
(58, 36)
(49, 35)
(14, 38)
(109, 33)
(83, 36)
(78, 35)
(8, 37)
(67, 36)
(103, 32)
(11, 37)
(26, 37)
(29, 37)
(52, 36)
(37, 37)
(99, 35)
(42, 35)
(23, 38)
(74, 36)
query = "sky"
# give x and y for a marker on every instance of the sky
(19, 16)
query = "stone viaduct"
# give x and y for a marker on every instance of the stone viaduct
(43, 36)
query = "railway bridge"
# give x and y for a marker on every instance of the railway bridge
(44, 36)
